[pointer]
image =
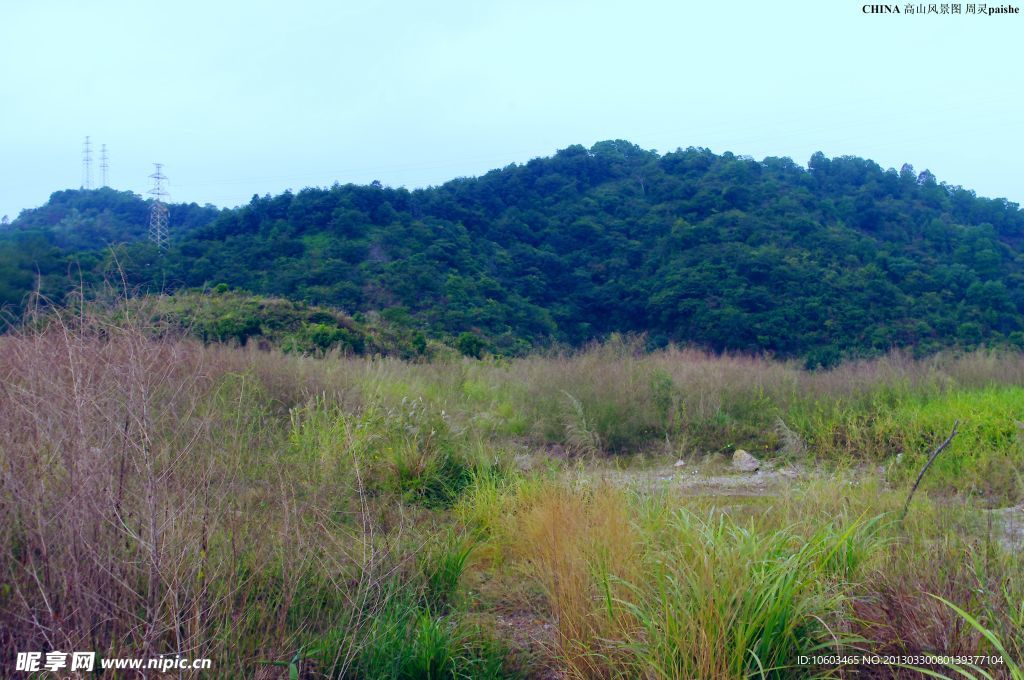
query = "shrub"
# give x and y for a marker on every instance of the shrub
(470, 345)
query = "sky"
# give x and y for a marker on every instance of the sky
(254, 97)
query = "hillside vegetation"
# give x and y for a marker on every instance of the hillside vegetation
(57, 246)
(840, 258)
(232, 317)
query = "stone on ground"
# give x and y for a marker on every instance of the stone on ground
(744, 462)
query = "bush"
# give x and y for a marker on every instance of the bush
(421, 457)
(319, 338)
(470, 345)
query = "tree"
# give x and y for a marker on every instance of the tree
(470, 345)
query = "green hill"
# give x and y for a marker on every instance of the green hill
(840, 258)
(89, 219)
(70, 235)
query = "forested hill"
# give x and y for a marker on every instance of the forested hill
(84, 220)
(80, 224)
(839, 258)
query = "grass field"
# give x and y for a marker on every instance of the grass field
(372, 518)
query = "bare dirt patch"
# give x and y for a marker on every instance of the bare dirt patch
(710, 477)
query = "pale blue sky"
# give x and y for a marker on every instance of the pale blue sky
(237, 98)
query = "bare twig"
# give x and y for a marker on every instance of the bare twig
(927, 465)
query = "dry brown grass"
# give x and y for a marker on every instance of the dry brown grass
(97, 426)
(151, 502)
(583, 547)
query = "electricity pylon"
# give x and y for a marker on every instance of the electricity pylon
(158, 214)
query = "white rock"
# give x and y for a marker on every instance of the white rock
(744, 462)
(680, 463)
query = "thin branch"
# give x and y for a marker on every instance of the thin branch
(927, 465)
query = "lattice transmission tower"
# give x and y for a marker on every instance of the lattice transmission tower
(104, 165)
(158, 214)
(87, 164)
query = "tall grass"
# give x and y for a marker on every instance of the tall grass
(639, 587)
(107, 491)
(728, 601)
(613, 398)
(278, 513)
(159, 497)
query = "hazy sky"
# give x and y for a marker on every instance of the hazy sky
(237, 98)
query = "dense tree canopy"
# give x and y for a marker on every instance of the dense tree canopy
(86, 220)
(69, 239)
(838, 258)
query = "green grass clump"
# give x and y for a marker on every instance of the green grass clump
(422, 458)
(411, 450)
(724, 600)
(395, 636)
(443, 566)
(408, 643)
